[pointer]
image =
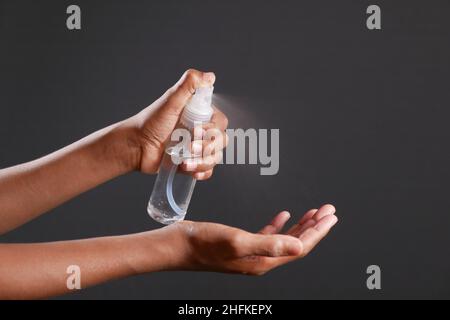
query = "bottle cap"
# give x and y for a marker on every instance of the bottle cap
(198, 109)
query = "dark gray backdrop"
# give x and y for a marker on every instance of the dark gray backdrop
(363, 118)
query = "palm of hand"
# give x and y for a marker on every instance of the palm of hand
(216, 247)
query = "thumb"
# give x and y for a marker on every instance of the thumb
(271, 245)
(183, 90)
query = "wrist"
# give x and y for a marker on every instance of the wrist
(124, 146)
(164, 249)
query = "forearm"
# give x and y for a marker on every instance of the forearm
(30, 189)
(29, 271)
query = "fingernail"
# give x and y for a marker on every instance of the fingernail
(209, 77)
(287, 214)
(191, 164)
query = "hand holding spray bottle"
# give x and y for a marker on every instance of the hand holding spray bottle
(173, 190)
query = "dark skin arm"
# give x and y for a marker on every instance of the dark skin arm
(135, 144)
(30, 271)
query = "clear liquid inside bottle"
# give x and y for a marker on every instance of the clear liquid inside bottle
(172, 190)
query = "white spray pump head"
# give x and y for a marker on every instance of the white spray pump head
(198, 109)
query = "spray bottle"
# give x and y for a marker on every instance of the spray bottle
(173, 190)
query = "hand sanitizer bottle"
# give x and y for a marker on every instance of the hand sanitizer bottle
(173, 190)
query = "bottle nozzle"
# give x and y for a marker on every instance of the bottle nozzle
(198, 109)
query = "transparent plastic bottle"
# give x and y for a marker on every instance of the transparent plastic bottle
(173, 190)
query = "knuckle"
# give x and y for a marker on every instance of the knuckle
(212, 132)
(303, 253)
(276, 247)
(189, 71)
(235, 243)
(191, 75)
(208, 149)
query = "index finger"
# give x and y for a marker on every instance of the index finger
(309, 239)
(312, 236)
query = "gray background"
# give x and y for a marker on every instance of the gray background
(363, 118)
